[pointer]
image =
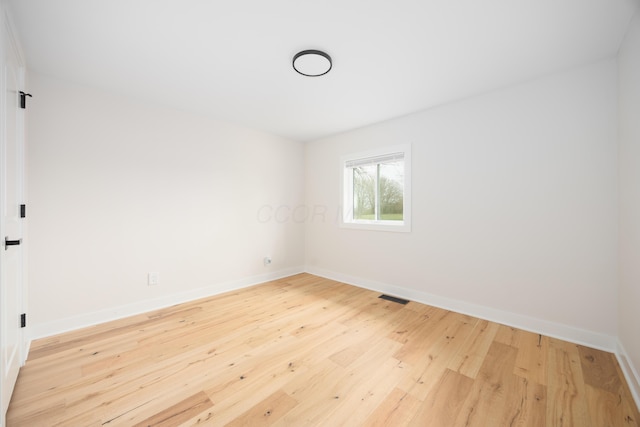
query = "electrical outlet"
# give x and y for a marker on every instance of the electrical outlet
(153, 278)
(267, 260)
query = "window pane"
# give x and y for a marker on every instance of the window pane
(391, 184)
(364, 192)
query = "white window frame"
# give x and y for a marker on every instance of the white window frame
(347, 191)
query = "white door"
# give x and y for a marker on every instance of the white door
(11, 197)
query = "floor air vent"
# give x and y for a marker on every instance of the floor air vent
(394, 299)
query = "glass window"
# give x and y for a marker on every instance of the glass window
(376, 189)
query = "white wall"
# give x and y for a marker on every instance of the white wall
(120, 188)
(629, 159)
(514, 206)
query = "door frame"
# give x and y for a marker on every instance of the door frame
(9, 45)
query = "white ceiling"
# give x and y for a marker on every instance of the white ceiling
(232, 59)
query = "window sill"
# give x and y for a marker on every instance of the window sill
(396, 226)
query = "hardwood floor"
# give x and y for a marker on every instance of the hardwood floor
(310, 351)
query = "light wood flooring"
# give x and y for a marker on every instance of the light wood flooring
(310, 351)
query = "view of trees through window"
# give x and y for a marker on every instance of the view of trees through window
(378, 191)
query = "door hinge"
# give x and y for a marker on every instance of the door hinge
(23, 211)
(23, 320)
(23, 99)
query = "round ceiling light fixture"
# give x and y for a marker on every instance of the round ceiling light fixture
(312, 63)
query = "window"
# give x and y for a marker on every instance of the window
(376, 189)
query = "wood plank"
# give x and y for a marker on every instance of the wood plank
(181, 411)
(606, 409)
(599, 369)
(631, 414)
(266, 412)
(397, 409)
(508, 335)
(444, 402)
(468, 360)
(432, 353)
(529, 409)
(362, 394)
(344, 389)
(445, 333)
(494, 388)
(531, 362)
(566, 395)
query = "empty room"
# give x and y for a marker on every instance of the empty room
(338, 213)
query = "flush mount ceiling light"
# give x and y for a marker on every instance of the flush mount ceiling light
(312, 63)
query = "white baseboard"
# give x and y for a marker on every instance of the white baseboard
(90, 319)
(629, 371)
(540, 326)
